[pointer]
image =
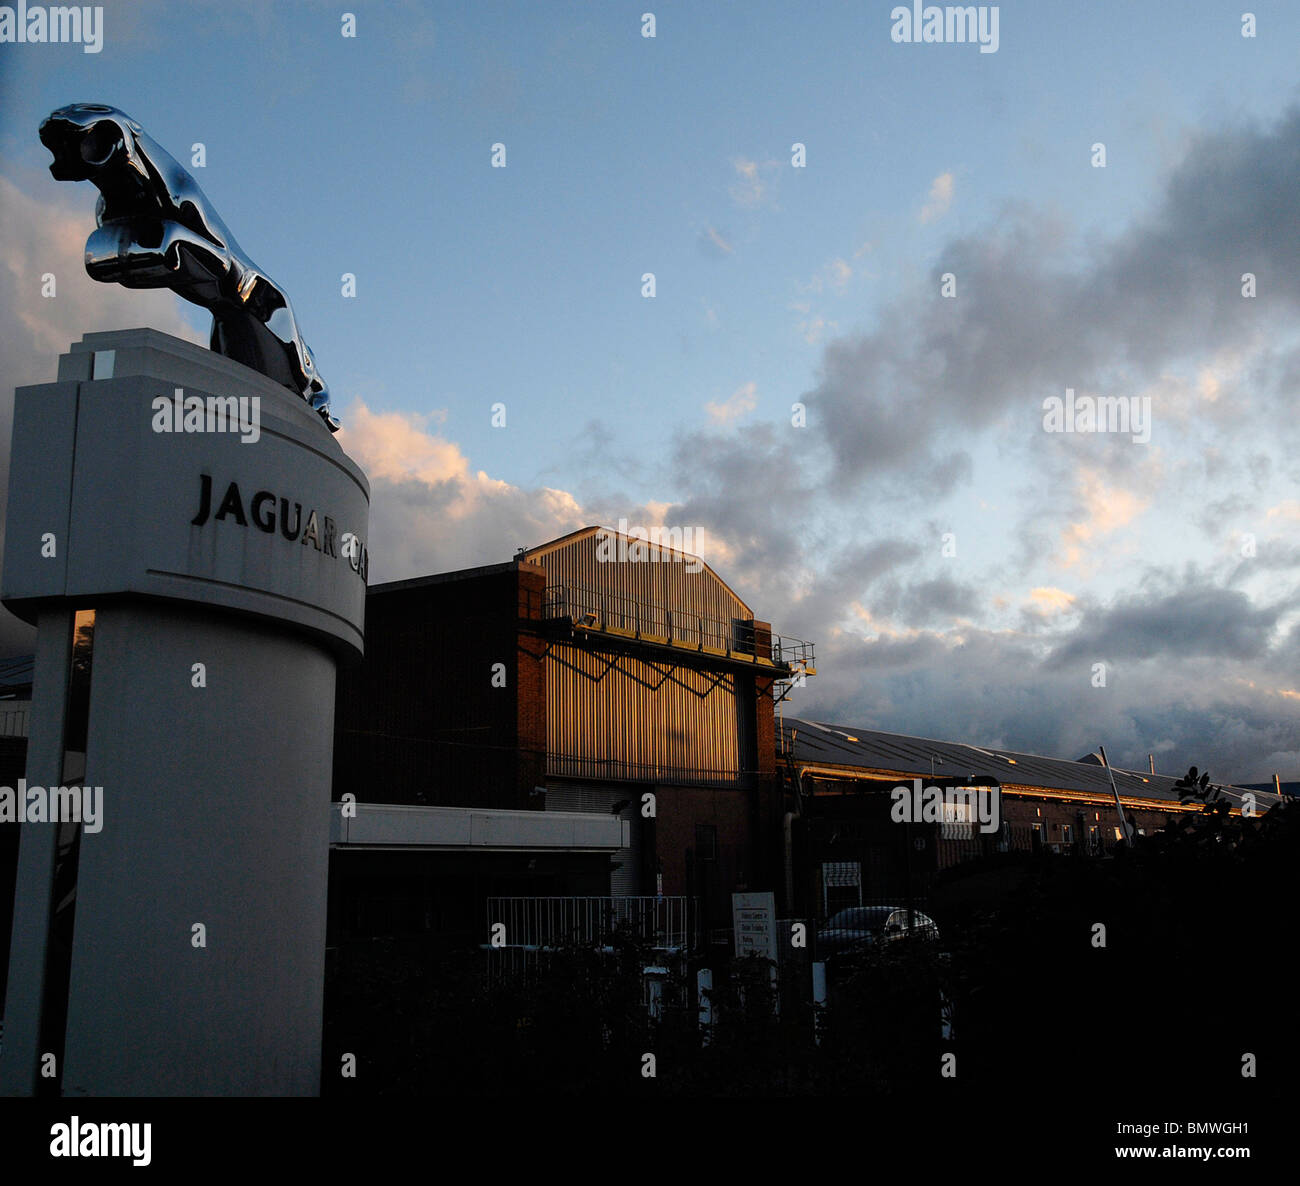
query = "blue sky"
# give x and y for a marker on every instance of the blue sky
(775, 284)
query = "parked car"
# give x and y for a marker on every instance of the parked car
(856, 927)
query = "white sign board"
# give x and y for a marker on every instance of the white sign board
(754, 923)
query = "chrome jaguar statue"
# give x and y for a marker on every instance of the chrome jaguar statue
(155, 228)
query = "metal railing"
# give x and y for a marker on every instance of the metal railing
(563, 765)
(598, 609)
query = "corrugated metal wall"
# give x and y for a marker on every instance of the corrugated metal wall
(619, 728)
(663, 582)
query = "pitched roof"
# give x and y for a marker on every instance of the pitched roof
(648, 536)
(815, 743)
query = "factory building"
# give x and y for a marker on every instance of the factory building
(603, 704)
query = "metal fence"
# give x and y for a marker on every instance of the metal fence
(521, 929)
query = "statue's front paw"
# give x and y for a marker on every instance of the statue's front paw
(155, 253)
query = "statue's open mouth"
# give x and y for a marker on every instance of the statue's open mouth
(79, 149)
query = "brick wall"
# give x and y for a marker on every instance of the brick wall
(688, 870)
(1053, 813)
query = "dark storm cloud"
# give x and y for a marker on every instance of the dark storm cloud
(934, 602)
(747, 489)
(1026, 322)
(1172, 284)
(1032, 315)
(1272, 556)
(1284, 660)
(851, 574)
(1197, 673)
(913, 653)
(859, 566)
(994, 690)
(894, 409)
(1201, 621)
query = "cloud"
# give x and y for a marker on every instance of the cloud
(1050, 599)
(716, 472)
(1103, 509)
(827, 530)
(940, 393)
(735, 407)
(849, 576)
(397, 446)
(713, 242)
(941, 190)
(754, 182)
(1194, 673)
(1036, 312)
(1198, 620)
(431, 511)
(926, 602)
(1044, 605)
(812, 329)
(836, 274)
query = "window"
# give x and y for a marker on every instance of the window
(1067, 834)
(957, 821)
(841, 885)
